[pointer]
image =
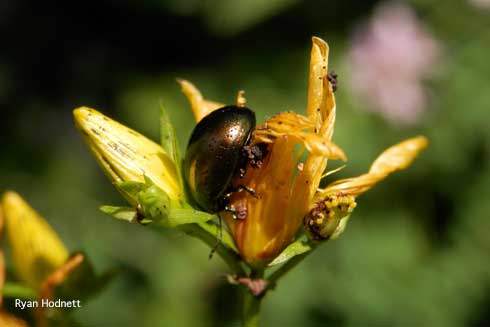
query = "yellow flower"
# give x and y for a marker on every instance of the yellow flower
(287, 183)
(36, 249)
(126, 155)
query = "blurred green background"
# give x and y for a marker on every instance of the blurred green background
(416, 251)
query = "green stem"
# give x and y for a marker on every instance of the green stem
(231, 258)
(251, 308)
(251, 303)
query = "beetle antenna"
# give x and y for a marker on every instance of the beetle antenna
(241, 101)
(220, 237)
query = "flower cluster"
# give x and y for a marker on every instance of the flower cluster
(390, 56)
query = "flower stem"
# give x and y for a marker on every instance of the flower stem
(251, 308)
(229, 257)
(251, 303)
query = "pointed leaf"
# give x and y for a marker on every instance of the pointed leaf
(296, 248)
(123, 213)
(167, 135)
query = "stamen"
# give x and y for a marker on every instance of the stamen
(324, 219)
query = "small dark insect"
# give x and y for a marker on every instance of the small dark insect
(332, 78)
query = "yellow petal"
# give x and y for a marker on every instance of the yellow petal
(273, 219)
(290, 124)
(9, 320)
(321, 101)
(318, 70)
(36, 249)
(397, 157)
(321, 108)
(126, 155)
(200, 106)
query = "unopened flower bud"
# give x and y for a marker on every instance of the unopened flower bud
(326, 219)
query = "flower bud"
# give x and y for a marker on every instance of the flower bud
(36, 249)
(328, 217)
(125, 155)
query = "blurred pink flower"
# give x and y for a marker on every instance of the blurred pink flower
(483, 4)
(390, 56)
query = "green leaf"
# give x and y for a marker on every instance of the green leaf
(123, 213)
(130, 190)
(296, 248)
(169, 142)
(167, 135)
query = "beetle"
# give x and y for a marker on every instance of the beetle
(217, 152)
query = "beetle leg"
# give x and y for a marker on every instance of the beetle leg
(230, 209)
(249, 190)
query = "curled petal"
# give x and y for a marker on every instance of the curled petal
(300, 128)
(200, 106)
(36, 249)
(321, 101)
(318, 70)
(124, 154)
(397, 157)
(320, 109)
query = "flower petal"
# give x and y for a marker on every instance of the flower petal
(397, 157)
(321, 101)
(318, 70)
(200, 106)
(301, 128)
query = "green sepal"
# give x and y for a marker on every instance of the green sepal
(167, 136)
(182, 216)
(170, 143)
(340, 227)
(296, 248)
(128, 214)
(130, 191)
